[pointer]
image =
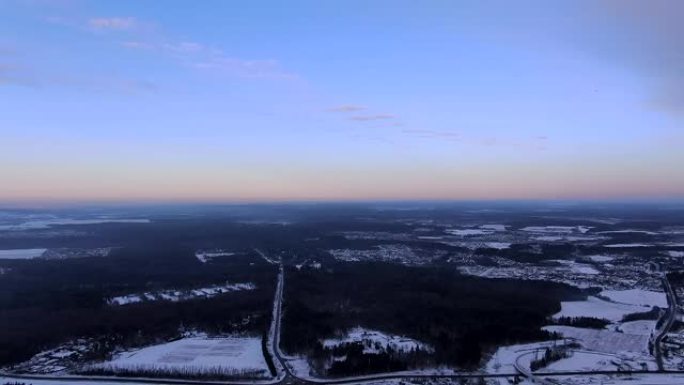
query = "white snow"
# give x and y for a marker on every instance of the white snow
(676, 254)
(195, 355)
(178, 295)
(601, 258)
(583, 361)
(556, 229)
(495, 227)
(597, 308)
(628, 232)
(642, 327)
(205, 256)
(376, 341)
(637, 297)
(21, 253)
(603, 340)
(584, 269)
(467, 232)
(498, 245)
(627, 245)
(47, 223)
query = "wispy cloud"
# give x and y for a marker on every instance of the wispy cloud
(370, 118)
(347, 108)
(433, 134)
(113, 23)
(202, 57)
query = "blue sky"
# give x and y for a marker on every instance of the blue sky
(298, 100)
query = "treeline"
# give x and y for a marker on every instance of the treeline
(461, 317)
(185, 372)
(582, 322)
(650, 315)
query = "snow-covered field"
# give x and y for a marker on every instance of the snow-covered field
(498, 245)
(495, 227)
(601, 258)
(637, 297)
(627, 245)
(181, 295)
(193, 355)
(583, 361)
(597, 308)
(644, 327)
(556, 229)
(468, 232)
(21, 253)
(603, 340)
(207, 255)
(47, 223)
(376, 341)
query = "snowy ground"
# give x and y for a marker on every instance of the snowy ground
(205, 256)
(228, 355)
(637, 297)
(180, 295)
(622, 379)
(375, 341)
(603, 340)
(597, 308)
(627, 245)
(644, 327)
(47, 223)
(601, 258)
(468, 232)
(557, 229)
(583, 361)
(21, 253)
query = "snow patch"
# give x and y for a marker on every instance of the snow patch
(178, 295)
(21, 253)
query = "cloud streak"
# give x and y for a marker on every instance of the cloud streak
(370, 118)
(347, 108)
(113, 23)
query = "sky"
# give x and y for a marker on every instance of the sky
(341, 100)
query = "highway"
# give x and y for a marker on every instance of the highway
(671, 316)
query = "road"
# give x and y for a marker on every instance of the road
(671, 316)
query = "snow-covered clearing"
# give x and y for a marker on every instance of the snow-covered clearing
(498, 245)
(495, 227)
(557, 229)
(468, 232)
(583, 361)
(628, 232)
(376, 341)
(21, 253)
(643, 327)
(601, 258)
(226, 355)
(622, 379)
(207, 255)
(627, 245)
(637, 297)
(578, 268)
(181, 295)
(47, 223)
(603, 340)
(503, 360)
(597, 308)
